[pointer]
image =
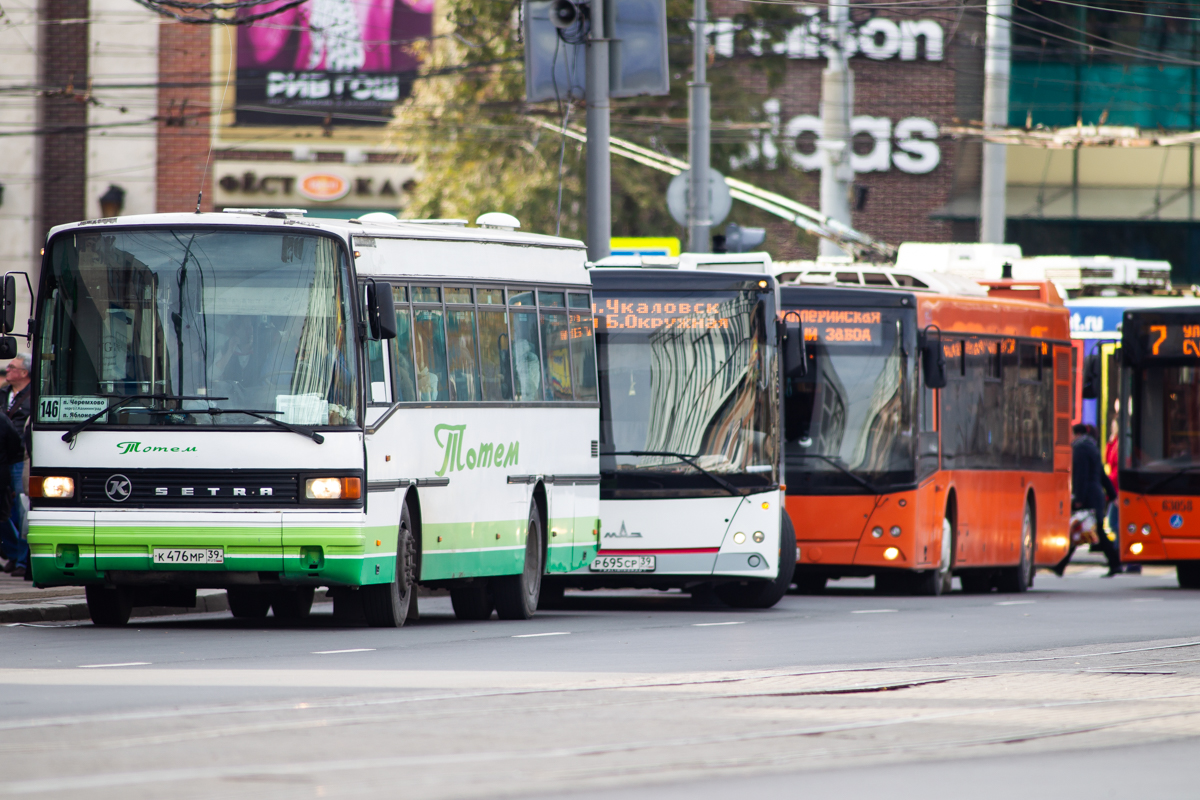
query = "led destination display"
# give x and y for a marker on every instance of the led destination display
(841, 326)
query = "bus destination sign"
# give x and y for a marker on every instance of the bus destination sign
(832, 326)
(1172, 340)
(627, 313)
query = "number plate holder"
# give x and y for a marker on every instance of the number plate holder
(186, 556)
(623, 564)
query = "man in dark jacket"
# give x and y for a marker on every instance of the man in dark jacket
(15, 404)
(13, 547)
(1088, 490)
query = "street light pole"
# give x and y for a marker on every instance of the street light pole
(837, 103)
(699, 139)
(996, 67)
(599, 170)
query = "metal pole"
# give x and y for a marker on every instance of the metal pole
(996, 62)
(699, 140)
(599, 170)
(837, 104)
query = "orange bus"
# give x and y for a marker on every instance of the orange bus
(929, 436)
(1159, 468)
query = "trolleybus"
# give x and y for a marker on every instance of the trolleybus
(269, 404)
(930, 436)
(1160, 439)
(690, 493)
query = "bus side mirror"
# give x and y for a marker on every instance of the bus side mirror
(934, 363)
(381, 310)
(8, 347)
(1091, 377)
(9, 319)
(795, 359)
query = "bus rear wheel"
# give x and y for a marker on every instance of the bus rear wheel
(248, 602)
(292, 604)
(386, 605)
(109, 607)
(1188, 573)
(1020, 577)
(764, 594)
(516, 596)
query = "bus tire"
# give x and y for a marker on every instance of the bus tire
(386, 605)
(1019, 578)
(935, 582)
(248, 602)
(292, 604)
(109, 607)
(472, 601)
(765, 594)
(1188, 573)
(516, 596)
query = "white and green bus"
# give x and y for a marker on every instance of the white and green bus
(270, 404)
(691, 493)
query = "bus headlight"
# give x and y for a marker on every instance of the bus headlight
(1145, 530)
(877, 532)
(891, 554)
(333, 488)
(1135, 548)
(895, 531)
(739, 538)
(758, 536)
(1131, 528)
(58, 487)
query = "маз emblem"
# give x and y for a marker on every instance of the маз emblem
(118, 488)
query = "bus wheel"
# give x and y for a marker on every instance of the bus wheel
(764, 594)
(934, 582)
(248, 602)
(292, 604)
(516, 596)
(1188, 573)
(385, 605)
(109, 607)
(1020, 577)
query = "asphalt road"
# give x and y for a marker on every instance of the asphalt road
(1083, 687)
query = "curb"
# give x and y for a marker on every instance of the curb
(66, 609)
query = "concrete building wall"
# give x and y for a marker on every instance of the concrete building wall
(20, 228)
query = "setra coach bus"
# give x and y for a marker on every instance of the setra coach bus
(267, 404)
(930, 436)
(1160, 439)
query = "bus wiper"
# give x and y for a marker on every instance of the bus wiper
(263, 415)
(866, 484)
(1173, 476)
(724, 484)
(122, 399)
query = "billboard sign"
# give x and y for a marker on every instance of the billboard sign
(344, 62)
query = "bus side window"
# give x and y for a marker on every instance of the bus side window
(556, 359)
(404, 376)
(460, 336)
(526, 347)
(377, 381)
(583, 347)
(494, 357)
(927, 434)
(430, 340)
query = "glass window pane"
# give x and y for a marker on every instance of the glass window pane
(460, 334)
(527, 363)
(493, 347)
(516, 297)
(583, 353)
(426, 294)
(402, 360)
(431, 355)
(551, 299)
(377, 382)
(458, 295)
(579, 301)
(557, 363)
(399, 293)
(490, 297)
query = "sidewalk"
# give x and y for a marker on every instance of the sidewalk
(21, 602)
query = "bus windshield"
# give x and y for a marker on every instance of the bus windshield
(687, 390)
(1164, 422)
(255, 321)
(849, 418)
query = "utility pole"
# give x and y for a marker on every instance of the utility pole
(996, 67)
(599, 171)
(699, 139)
(837, 104)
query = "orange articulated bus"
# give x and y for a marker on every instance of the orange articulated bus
(929, 436)
(1159, 472)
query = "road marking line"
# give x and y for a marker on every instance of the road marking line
(715, 624)
(1016, 603)
(351, 650)
(1146, 600)
(877, 611)
(532, 635)
(125, 664)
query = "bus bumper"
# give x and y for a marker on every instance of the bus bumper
(1165, 529)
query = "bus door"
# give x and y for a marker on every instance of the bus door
(1109, 403)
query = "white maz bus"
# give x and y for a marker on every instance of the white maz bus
(690, 436)
(270, 404)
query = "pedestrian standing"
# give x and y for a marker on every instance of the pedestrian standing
(1088, 489)
(15, 406)
(15, 549)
